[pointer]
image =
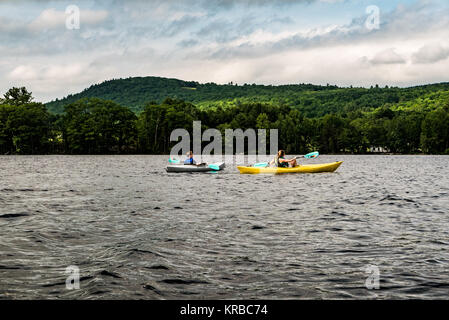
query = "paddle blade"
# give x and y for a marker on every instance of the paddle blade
(261, 165)
(174, 161)
(312, 155)
(214, 167)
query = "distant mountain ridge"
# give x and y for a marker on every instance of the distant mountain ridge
(313, 100)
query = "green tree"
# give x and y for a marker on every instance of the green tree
(29, 125)
(435, 132)
(17, 96)
(332, 127)
(6, 136)
(351, 138)
(262, 121)
(156, 123)
(403, 133)
(99, 126)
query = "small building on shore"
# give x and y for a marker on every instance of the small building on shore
(379, 150)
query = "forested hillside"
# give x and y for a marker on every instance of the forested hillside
(310, 100)
(98, 126)
(137, 115)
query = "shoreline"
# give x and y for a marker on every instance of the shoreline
(154, 154)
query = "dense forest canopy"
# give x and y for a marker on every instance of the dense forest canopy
(327, 119)
(311, 100)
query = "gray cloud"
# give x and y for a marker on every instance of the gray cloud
(178, 25)
(187, 43)
(223, 31)
(403, 23)
(227, 4)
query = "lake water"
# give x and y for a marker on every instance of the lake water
(137, 232)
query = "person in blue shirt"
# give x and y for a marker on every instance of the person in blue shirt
(189, 159)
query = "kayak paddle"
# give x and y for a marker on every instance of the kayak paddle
(261, 165)
(214, 167)
(311, 155)
(174, 161)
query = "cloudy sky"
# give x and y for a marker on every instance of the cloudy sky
(244, 41)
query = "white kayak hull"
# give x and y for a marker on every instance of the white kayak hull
(193, 168)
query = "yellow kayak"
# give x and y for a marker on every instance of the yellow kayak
(308, 168)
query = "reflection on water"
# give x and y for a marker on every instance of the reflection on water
(136, 231)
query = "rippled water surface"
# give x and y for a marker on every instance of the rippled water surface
(137, 232)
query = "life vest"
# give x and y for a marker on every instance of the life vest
(280, 164)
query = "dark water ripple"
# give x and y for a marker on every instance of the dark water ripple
(137, 232)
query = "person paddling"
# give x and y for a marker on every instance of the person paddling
(281, 162)
(189, 159)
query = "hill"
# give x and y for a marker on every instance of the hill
(312, 100)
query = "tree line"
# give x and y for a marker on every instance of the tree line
(97, 126)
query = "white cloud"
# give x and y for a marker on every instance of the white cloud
(53, 71)
(388, 56)
(430, 54)
(23, 72)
